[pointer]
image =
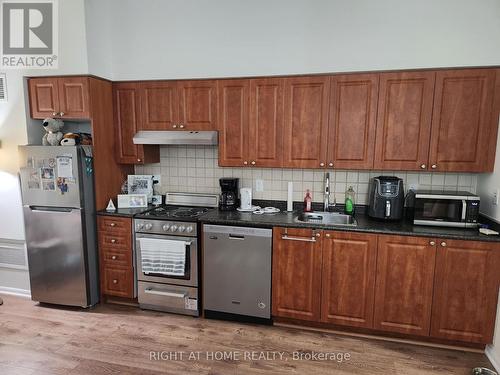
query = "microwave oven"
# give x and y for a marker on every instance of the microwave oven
(446, 209)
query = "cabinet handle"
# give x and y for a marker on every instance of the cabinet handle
(245, 162)
(423, 166)
(113, 240)
(112, 224)
(181, 126)
(443, 244)
(321, 164)
(433, 166)
(330, 164)
(174, 126)
(303, 239)
(432, 243)
(115, 281)
(253, 163)
(113, 257)
(318, 235)
(327, 235)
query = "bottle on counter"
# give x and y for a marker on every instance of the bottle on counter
(349, 201)
(308, 201)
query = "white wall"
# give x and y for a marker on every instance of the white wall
(202, 38)
(72, 60)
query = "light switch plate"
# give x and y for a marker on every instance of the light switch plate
(494, 197)
(259, 185)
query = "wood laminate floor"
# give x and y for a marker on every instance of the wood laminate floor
(114, 339)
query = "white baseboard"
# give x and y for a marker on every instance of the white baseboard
(15, 291)
(493, 356)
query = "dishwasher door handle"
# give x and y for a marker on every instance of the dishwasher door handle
(236, 237)
(303, 239)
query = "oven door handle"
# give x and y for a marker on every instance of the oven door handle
(166, 294)
(464, 209)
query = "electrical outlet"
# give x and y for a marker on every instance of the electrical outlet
(259, 185)
(494, 197)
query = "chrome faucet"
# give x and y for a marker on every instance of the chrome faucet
(327, 204)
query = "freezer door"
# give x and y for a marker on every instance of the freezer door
(41, 166)
(56, 256)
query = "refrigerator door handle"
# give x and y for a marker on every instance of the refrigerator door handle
(51, 209)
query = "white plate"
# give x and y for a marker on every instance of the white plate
(251, 209)
(267, 210)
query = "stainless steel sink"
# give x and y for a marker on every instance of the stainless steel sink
(327, 218)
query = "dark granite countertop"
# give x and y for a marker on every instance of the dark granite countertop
(125, 212)
(365, 224)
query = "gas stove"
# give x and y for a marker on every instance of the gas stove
(174, 212)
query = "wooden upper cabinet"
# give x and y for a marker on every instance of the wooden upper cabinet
(197, 105)
(233, 122)
(74, 99)
(266, 122)
(158, 104)
(462, 122)
(348, 278)
(296, 276)
(306, 122)
(44, 97)
(404, 284)
(465, 291)
(353, 115)
(404, 120)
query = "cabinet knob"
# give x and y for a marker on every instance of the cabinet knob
(330, 164)
(327, 235)
(432, 243)
(139, 160)
(61, 113)
(423, 166)
(443, 244)
(54, 113)
(113, 241)
(253, 163)
(245, 162)
(433, 166)
(181, 126)
(115, 281)
(112, 224)
(318, 234)
(113, 257)
(174, 126)
(321, 164)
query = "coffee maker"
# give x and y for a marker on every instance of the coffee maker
(229, 194)
(386, 198)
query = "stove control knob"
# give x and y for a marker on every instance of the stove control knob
(148, 226)
(182, 228)
(166, 227)
(189, 229)
(139, 226)
(173, 228)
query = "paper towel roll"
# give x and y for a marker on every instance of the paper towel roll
(289, 202)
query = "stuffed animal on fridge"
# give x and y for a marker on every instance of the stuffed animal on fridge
(72, 139)
(53, 134)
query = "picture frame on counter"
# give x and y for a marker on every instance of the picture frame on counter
(132, 200)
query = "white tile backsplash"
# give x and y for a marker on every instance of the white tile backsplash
(194, 169)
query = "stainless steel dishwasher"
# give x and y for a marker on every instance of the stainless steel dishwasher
(237, 273)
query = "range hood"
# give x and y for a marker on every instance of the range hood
(150, 137)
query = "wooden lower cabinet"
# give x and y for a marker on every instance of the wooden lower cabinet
(348, 278)
(403, 291)
(296, 274)
(116, 256)
(465, 290)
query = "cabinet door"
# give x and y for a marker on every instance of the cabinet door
(117, 281)
(306, 122)
(158, 102)
(74, 97)
(233, 122)
(465, 291)
(197, 105)
(461, 121)
(353, 112)
(348, 278)
(403, 290)
(44, 97)
(266, 122)
(127, 112)
(296, 274)
(404, 120)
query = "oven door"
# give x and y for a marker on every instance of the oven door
(440, 211)
(190, 277)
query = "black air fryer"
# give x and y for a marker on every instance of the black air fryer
(386, 199)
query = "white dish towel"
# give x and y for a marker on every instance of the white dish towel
(165, 257)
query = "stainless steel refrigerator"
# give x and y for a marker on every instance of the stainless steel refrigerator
(57, 186)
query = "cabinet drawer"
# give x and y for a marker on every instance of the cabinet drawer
(115, 240)
(118, 281)
(113, 258)
(114, 224)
